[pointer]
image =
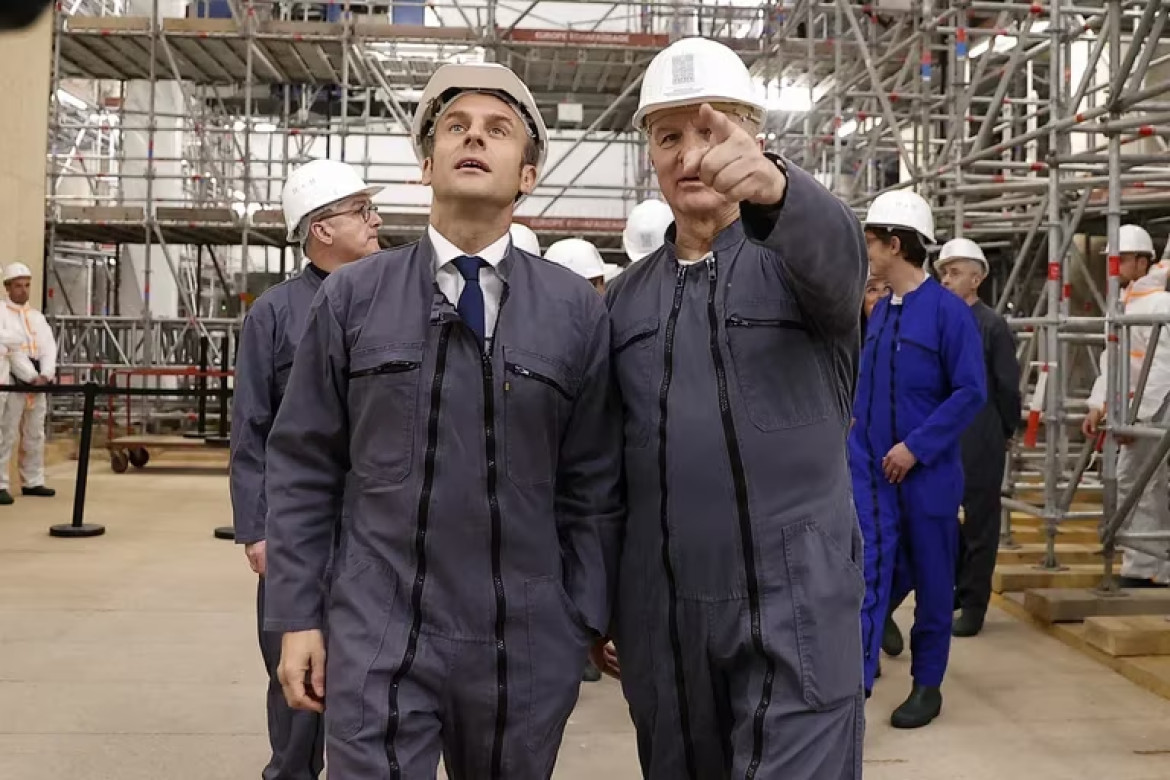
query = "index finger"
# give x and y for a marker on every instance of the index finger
(721, 126)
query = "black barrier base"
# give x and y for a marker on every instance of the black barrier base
(194, 435)
(70, 531)
(225, 532)
(218, 442)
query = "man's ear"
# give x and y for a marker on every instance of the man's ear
(322, 231)
(426, 172)
(527, 179)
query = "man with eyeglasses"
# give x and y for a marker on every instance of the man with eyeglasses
(328, 212)
(454, 395)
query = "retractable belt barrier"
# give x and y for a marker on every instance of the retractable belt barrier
(91, 390)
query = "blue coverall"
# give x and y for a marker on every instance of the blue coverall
(922, 381)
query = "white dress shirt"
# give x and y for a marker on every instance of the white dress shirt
(451, 283)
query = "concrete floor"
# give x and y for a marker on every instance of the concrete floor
(132, 656)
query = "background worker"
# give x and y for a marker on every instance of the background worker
(734, 349)
(580, 257)
(32, 353)
(454, 394)
(328, 211)
(645, 228)
(962, 267)
(524, 238)
(920, 385)
(1144, 292)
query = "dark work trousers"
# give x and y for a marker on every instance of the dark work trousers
(979, 540)
(297, 737)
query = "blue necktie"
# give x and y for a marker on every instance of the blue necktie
(471, 300)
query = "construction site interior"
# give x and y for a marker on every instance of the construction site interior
(142, 169)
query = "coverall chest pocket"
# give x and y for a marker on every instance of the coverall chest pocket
(919, 361)
(538, 398)
(633, 359)
(776, 364)
(383, 399)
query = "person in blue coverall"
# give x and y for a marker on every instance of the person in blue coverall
(921, 383)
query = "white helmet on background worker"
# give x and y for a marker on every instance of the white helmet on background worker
(692, 71)
(961, 249)
(902, 210)
(612, 271)
(17, 271)
(524, 238)
(579, 256)
(1134, 238)
(645, 228)
(450, 81)
(316, 184)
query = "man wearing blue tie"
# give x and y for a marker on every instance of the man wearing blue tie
(455, 396)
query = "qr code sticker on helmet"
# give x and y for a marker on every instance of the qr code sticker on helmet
(682, 70)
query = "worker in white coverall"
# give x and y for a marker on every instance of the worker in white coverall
(32, 361)
(1144, 293)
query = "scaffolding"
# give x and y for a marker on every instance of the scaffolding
(1033, 128)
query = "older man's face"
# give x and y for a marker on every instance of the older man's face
(18, 290)
(962, 277)
(673, 132)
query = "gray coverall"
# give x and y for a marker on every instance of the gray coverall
(479, 549)
(738, 616)
(265, 356)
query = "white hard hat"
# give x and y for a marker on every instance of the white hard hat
(578, 255)
(961, 249)
(449, 81)
(318, 183)
(612, 271)
(902, 209)
(524, 238)
(691, 71)
(1134, 238)
(645, 228)
(17, 271)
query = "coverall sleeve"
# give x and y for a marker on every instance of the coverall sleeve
(819, 246)
(962, 356)
(21, 366)
(1005, 373)
(308, 458)
(589, 508)
(1097, 394)
(46, 347)
(253, 408)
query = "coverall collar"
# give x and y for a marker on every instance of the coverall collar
(728, 237)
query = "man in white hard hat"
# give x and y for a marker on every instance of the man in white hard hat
(645, 228)
(329, 214)
(1144, 292)
(920, 385)
(581, 257)
(962, 267)
(32, 361)
(455, 395)
(734, 349)
(524, 238)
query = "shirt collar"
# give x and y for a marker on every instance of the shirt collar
(445, 251)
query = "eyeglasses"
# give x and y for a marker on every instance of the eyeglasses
(364, 211)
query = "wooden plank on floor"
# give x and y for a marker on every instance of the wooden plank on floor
(1033, 553)
(1063, 605)
(1037, 535)
(1023, 576)
(1129, 635)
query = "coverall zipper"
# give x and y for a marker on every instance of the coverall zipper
(671, 587)
(528, 373)
(489, 420)
(420, 550)
(391, 367)
(739, 479)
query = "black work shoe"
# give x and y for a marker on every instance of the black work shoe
(1138, 582)
(892, 644)
(39, 490)
(6, 498)
(921, 707)
(968, 623)
(592, 673)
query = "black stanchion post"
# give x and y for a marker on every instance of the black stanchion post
(224, 531)
(78, 528)
(203, 348)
